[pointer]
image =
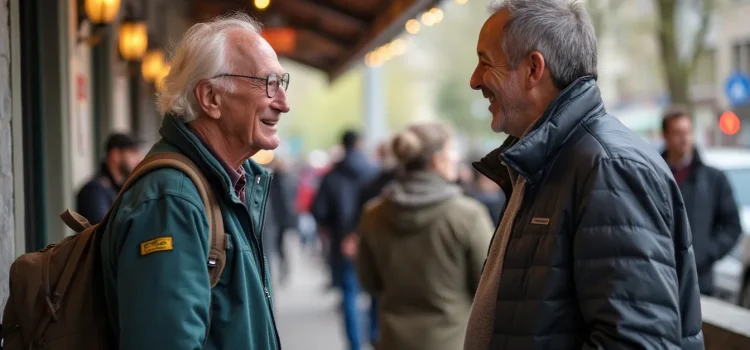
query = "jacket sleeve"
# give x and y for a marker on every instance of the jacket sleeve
(163, 293)
(624, 260)
(727, 228)
(477, 243)
(367, 270)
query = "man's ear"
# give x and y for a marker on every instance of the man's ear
(537, 65)
(208, 100)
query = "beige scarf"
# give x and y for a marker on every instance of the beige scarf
(482, 317)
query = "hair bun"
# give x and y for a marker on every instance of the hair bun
(407, 146)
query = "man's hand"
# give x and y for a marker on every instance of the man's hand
(349, 245)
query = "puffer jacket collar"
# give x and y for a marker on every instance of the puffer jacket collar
(529, 156)
(175, 132)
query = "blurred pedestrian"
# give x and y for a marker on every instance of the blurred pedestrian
(221, 101)
(489, 194)
(335, 211)
(594, 249)
(709, 200)
(422, 245)
(122, 154)
(281, 212)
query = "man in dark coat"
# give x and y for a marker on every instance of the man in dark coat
(123, 153)
(594, 248)
(709, 201)
(281, 216)
(336, 212)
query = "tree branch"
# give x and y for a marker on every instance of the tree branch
(699, 41)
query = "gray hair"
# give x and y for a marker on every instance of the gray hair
(200, 54)
(561, 30)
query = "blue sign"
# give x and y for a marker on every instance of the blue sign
(738, 89)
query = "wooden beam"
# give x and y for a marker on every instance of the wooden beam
(323, 34)
(288, 7)
(332, 6)
(297, 58)
(386, 25)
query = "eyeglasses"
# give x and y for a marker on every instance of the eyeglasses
(273, 81)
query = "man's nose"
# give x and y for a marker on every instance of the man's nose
(279, 102)
(475, 81)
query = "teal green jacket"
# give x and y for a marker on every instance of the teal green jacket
(160, 300)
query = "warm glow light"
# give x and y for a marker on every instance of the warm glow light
(428, 19)
(101, 11)
(263, 157)
(412, 26)
(398, 46)
(729, 123)
(461, 2)
(262, 4)
(153, 65)
(282, 39)
(437, 14)
(133, 40)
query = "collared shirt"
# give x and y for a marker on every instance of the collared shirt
(236, 176)
(682, 169)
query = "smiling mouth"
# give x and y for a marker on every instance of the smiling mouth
(269, 122)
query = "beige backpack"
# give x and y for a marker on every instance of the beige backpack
(56, 300)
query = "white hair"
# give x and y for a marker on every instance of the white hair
(200, 54)
(561, 30)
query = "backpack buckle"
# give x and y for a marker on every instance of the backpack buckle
(211, 262)
(53, 303)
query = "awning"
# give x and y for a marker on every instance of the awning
(329, 35)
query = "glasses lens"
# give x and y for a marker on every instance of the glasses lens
(285, 81)
(273, 85)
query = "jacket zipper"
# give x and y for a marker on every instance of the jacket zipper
(262, 258)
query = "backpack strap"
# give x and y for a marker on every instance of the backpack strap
(216, 234)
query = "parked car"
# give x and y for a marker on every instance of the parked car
(732, 273)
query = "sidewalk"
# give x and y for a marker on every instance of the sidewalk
(306, 315)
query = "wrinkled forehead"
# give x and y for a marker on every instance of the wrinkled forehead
(249, 53)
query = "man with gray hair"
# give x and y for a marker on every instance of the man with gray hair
(221, 102)
(594, 248)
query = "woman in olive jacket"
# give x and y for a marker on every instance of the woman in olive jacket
(422, 246)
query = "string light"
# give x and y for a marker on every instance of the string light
(262, 4)
(397, 47)
(437, 15)
(412, 26)
(427, 19)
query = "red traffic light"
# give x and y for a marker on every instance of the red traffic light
(729, 123)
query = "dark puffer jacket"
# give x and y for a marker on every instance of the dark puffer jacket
(600, 254)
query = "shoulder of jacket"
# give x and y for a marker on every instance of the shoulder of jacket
(162, 184)
(463, 205)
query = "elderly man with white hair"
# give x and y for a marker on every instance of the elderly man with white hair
(221, 102)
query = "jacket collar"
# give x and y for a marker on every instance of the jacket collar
(175, 132)
(695, 162)
(530, 155)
